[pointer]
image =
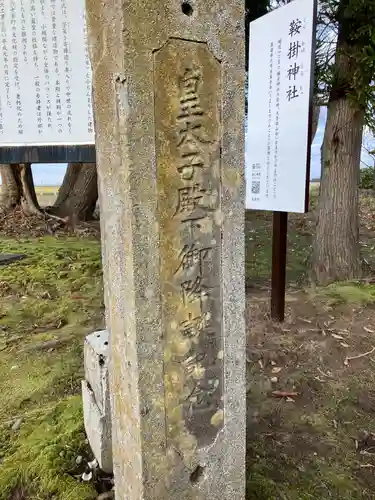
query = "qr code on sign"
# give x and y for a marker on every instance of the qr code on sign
(255, 187)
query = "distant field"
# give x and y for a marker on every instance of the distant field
(46, 194)
(43, 190)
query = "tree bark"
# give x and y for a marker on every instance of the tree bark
(10, 189)
(71, 175)
(336, 244)
(80, 193)
(18, 188)
(315, 121)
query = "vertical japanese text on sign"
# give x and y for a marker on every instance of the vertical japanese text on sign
(278, 114)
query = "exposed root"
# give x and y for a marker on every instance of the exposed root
(16, 223)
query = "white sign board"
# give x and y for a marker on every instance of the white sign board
(45, 74)
(280, 70)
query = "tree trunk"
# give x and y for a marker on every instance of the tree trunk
(18, 188)
(336, 245)
(11, 187)
(315, 121)
(80, 193)
(70, 178)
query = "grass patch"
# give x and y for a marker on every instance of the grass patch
(46, 189)
(347, 293)
(258, 240)
(55, 293)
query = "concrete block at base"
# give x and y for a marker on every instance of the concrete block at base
(98, 429)
(96, 398)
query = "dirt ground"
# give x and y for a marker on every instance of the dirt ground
(316, 442)
(310, 380)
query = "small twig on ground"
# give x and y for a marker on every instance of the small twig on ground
(367, 453)
(54, 217)
(323, 373)
(284, 394)
(346, 361)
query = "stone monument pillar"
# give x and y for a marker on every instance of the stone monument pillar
(169, 113)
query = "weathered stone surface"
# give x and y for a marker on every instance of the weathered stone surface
(96, 398)
(169, 108)
(187, 81)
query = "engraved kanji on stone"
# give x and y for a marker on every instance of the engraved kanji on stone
(190, 160)
(192, 257)
(189, 198)
(203, 394)
(189, 99)
(192, 327)
(189, 132)
(193, 290)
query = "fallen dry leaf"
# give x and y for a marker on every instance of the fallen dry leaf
(368, 330)
(276, 369)
(337, 337)
(328, 374)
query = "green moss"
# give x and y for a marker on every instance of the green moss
(347, 293)
(55, 293)
(42, 453)
(58, 283)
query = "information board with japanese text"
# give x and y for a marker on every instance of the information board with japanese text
(45, 75)
(282, 44)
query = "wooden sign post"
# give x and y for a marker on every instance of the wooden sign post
(279, 250)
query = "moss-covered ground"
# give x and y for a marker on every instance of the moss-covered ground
(54, 294)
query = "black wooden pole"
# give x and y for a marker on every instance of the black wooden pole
(279, 245)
